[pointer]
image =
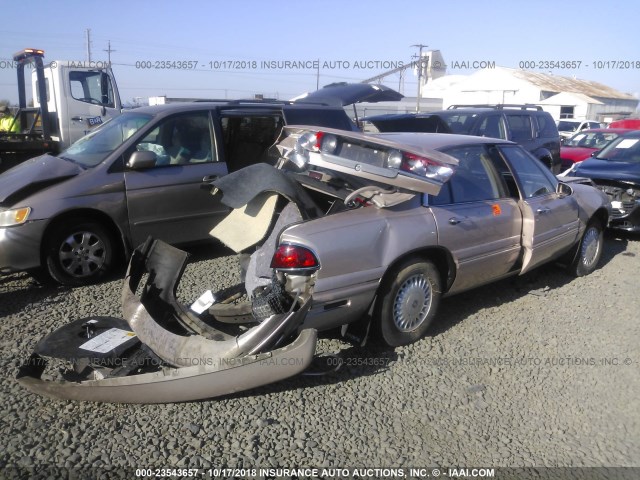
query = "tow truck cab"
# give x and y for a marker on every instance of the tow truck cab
(78, 97)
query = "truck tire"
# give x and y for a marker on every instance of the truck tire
(79, 253)
(408, 300)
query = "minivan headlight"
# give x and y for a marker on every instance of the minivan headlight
(17, 216)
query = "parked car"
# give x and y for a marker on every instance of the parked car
(630, 123)
(74, 215)
(350, 230)
(527, 125)
(616, 171)
(569, 126)
(584, 143)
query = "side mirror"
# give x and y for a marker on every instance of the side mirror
(563, 189)
(142, 160)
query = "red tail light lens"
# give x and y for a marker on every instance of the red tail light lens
(294, 257)
(425, 167)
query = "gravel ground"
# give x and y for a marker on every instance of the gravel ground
(540, 370)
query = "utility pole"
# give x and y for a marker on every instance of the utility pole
(109, 50)
(420, 70)
(88, 44)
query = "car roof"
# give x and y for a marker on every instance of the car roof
(235, 104)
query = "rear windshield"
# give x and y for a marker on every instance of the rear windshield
(319, 117)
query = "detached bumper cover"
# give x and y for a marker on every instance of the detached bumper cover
(190, 359)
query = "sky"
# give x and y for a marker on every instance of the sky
(284, 48)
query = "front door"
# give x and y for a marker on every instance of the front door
(92, 101)
(172, 200)
(551, 224)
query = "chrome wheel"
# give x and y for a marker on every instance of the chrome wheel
(412, 303)
(590, 249)
(81, 254)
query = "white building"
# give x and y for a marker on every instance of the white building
(563, 97)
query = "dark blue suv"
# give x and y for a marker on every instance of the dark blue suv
(526, 125)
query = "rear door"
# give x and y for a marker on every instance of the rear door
(478, 218)
(172, 200)
(550, 220)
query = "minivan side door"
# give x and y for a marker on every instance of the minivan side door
(172, 199)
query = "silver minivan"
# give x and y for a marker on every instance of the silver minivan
(146, 172)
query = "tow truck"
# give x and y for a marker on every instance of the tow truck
(78, 96)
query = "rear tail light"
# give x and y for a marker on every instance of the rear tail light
(425, 167)
(294, 257)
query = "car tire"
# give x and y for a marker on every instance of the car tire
(79, 253)
(407, 303)
(589, 250)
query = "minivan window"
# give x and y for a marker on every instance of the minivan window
(93, 148)
(182, 139)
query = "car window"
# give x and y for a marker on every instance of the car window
(622, 149)
(591, 139)
(534, 178)
(249, 139)
(477, 177)
(546, 126)
(492, 126)
(180, 140)
(319, 117)
(520, 127)
(88, 87)
(93, 148)
(459, 122)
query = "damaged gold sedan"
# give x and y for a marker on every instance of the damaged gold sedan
(346, 230)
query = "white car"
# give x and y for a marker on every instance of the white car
(567, 127)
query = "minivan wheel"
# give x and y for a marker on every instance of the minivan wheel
(79, 253)
(409, 298)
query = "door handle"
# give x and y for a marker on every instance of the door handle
(206, 182)
(543, 211)
(77, 119)
(454, 221)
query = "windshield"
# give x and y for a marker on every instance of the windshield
(622, 149)
(92, 149)
(565, 126)
(591, 139)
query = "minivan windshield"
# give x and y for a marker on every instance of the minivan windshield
(93, 148)
(623, 149)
